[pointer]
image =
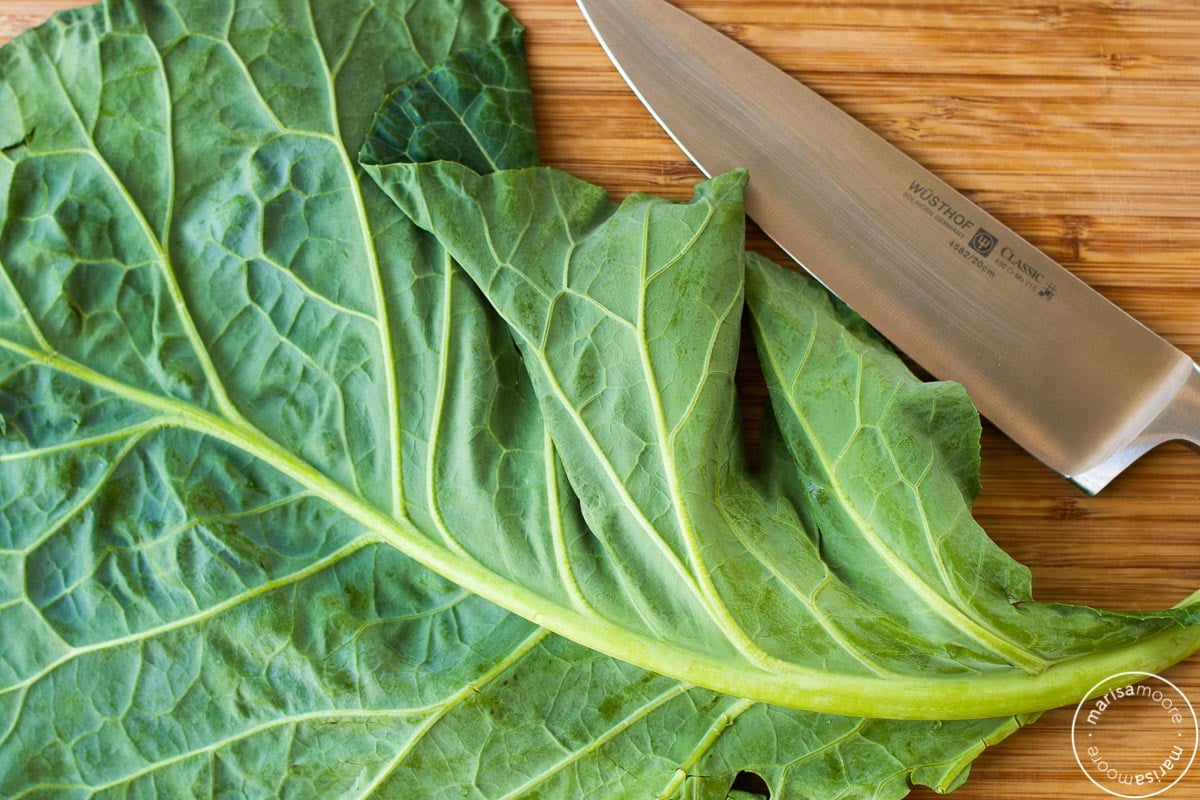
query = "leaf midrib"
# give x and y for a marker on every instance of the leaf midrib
(912, 697)
(396, 531)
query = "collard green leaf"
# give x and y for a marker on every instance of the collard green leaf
(887, 469)
(189, 250)
(872, 591)
(187, 606)
(234, 379)
(472, 109)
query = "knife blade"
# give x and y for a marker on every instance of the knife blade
(1080, 384)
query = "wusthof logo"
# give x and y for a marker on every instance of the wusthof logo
(978, 246)
(928, 200)
(983, 242)
(1135, 740)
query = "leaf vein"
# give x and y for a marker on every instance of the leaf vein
(453, 702)
(58, 524)
(174, 289)
(193, 619)
(596, 742)
(932, 599)
(702, 579)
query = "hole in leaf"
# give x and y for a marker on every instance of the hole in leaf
(751, 783)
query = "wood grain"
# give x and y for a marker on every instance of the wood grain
(1077, 123)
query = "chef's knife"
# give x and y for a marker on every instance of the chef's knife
(1079, 383)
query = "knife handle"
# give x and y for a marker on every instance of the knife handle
(1179, 420)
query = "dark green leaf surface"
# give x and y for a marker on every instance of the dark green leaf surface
(234, 380)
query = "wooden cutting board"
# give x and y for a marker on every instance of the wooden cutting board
(1077, 123)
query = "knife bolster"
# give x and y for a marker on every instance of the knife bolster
(1179, 420)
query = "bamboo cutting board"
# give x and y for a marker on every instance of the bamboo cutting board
(1075, 122)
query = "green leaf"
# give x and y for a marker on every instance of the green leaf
(872, 592)
(887, 467)
(234, 379)
(184, 616)
(190, 400)
(474, 109)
